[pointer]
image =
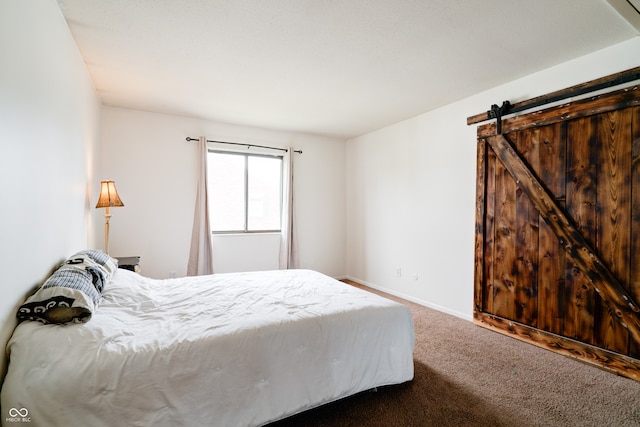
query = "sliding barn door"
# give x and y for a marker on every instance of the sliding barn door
(558, 230)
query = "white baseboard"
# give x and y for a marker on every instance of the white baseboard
(410, 298)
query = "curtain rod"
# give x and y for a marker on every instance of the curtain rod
(189, 139)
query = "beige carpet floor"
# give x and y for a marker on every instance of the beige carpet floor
(466, 375)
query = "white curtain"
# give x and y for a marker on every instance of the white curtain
(201, 252)
(288, 239)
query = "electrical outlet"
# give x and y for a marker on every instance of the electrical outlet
(398, 272)
(415, 276)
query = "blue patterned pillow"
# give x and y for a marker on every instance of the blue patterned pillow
(72, 292)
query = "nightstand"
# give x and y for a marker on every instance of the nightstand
(131, 263)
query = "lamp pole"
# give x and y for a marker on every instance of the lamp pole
(107, 217)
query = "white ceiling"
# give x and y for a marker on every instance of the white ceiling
(329, 67)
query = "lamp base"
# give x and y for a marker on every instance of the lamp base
(107, 217)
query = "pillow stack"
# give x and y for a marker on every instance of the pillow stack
(73, 291)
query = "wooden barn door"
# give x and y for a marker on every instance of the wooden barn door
(558, 229)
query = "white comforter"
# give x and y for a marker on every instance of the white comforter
(222, 350)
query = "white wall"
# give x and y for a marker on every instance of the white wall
(49, 118)
(411, 189)
(155, 172)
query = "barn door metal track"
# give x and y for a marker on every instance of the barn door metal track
(496, 112)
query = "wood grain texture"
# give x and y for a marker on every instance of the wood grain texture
(604, 282)
(634, 273)
(527, 234)
(551, 255)
(619, 99)
(597, 84)
(479, 252)
(560, 242)
(614, 210)
(616, 363)
(490, 232)
(504, 283)
(581, 204)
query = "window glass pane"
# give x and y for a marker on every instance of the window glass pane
(226, 191)
(264, 193)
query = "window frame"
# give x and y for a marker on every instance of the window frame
(246, 191)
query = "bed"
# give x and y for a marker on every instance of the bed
(237, 349)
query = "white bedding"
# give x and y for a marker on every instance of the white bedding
(223, 350)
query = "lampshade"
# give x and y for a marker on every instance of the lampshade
(108, 195)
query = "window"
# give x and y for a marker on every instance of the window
(245, 192)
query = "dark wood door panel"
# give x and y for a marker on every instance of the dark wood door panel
(581, 202)
(557, 254)
(613, 217)
(634, 275)
(589, 302)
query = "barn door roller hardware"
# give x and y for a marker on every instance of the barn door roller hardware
(617, 79)
(497, 113)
